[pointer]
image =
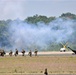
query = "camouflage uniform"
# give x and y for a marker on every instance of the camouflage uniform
(10, 53)
(23, 52)
(2, 52)
(30, 53)
(16, 53)
(35, 52)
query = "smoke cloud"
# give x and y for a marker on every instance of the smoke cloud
(30, 36)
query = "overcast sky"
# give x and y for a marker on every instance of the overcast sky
(13, 9)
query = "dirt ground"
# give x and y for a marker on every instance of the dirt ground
(57, 63)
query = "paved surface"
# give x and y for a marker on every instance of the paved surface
(50, 53)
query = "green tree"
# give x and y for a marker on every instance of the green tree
(68, 15)
(35, 19)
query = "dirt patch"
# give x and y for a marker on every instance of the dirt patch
(36, 65)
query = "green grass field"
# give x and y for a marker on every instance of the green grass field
(36, 65)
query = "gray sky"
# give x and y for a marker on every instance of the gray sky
(12, 9)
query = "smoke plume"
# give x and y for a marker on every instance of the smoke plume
(30, 36)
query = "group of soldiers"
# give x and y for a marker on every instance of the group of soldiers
(23, 52)
(11, 53)
(2, 52)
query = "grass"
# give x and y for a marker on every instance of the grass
(36, 65)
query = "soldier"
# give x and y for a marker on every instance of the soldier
(35, 52)
(23, 52)
(16, 53)
(46, 73)
(30, 53)
(2, 52)
(10, 53)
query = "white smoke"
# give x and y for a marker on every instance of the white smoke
(30, 36)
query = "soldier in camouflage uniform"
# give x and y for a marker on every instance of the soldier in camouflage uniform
(30, 53)
(10, 53)
(2, 52)
(35, 52)
(23, 52)
(16, 53)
